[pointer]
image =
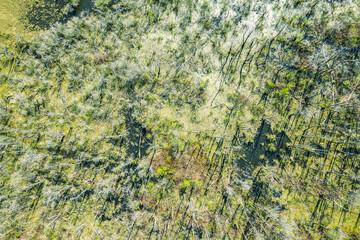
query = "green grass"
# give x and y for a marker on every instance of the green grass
(11, 12)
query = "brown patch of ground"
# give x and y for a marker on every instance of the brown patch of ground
(188, 164)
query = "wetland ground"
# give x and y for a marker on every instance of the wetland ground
(27, 16)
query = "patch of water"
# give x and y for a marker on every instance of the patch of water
(42, 14)
(84, 5)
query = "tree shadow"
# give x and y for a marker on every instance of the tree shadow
(257, 152)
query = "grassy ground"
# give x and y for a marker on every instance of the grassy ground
(11, 12)
(26, 17)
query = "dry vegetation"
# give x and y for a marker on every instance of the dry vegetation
(160, 119)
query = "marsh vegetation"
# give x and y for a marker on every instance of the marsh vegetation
(158, 119)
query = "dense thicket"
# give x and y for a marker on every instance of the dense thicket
(160, 119)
